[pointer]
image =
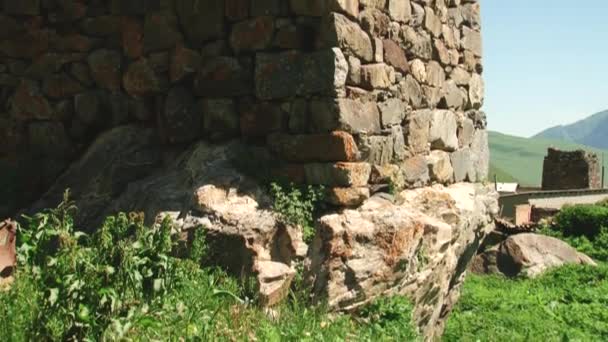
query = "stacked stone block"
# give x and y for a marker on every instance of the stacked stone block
(570, 170)
(347, 93)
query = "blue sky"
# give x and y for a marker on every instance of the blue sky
(545, 62)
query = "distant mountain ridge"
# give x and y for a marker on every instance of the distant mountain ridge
(592, 131)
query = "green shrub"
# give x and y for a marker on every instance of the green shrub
(580, 220)
(297, 205)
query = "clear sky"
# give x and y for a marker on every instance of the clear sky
(545, 62)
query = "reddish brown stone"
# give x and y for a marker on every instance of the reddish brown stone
(132, 37)
(336, 146)
(252, 35)
(29, 103)
(27, 45)
(260, 119)
(61, 86)
(347, 197)
(292, 172)
(224, 77)
(237, 9)
(341, 174)
(183, 62)
(394, 55)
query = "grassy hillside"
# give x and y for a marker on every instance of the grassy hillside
(591, 131)
(522, 158)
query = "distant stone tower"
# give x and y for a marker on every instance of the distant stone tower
(563, 170)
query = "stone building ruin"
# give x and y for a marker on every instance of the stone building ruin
(567, 170)
(330, 87)
(138, 105)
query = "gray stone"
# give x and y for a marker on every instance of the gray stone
(435, 74)
(22, 7)
(353, 116)
(452, 96)
(412, 91)
(400, 10)
(392, 112)
(201, 22)
(471, 40)
(431, 22)
(416, 171)
(440, 167)
(481, 155)
(443, 130)
(354, 71)
(182, 120)
(49, 138)
(417, 131)
(281, 75)
(462, 162)
(220, 117)
(379, 149)
(460, 76)
(466, 130)
(87, 107)
(339, 31)
(376, 76)
(476, 91)
(223, 76)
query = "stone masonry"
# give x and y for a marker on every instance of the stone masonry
(564, 170)
(346, 93)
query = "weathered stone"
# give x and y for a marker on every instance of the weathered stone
(466, 130)
(87, 107)
(412, 92)
(440, 167)
(220, 118)
(375, 22)
(252, 35)
(417, 15)
(260, 119)
(182, 121)
(29, 103)
(476, 91)
(481, 155)
(339, 31)
(105, 68)
(380, 4)
(359, 255)
(443, 130)
(352, 116)
(50, 63)
(471, 15)
(291, 73)
(140, 79)
(132, 37)
(134, 7)
(338, 175)
(432, 96)
(418, 43)
(72, 43)
(431, 22)
(8, 252)
(400, 10)
(354, 71)
(531, 255)
(383, 174)
(392, 112)
(22, 7)
(274, 281)
(237, 9)
(347, 197)
(201, 22)
(106, 25)
(418, 70)
(452, 96)
(462, 162)
(471, 41)
(299, 118)
(377, 150)
(161, 31)
(266, 7)
(348, 7)
(416, 171)
(376, 76)
(184, 62)
(417, 131)
(311, 8)
(336, 146)
(394, 56)
(49, 138)
(435, 74)
(80, 71)
(460, 76)
(26, 45)
(61, 86)
(223, 77)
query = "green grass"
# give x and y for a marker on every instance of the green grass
(123, 283)
(522, 158)
(501, 176)
(566, 304)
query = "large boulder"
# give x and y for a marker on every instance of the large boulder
(528, 255)
(419, 246)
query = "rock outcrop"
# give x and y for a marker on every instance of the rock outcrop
(527, 255)
(418, 245)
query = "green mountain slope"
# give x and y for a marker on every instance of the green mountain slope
(522, 158)
(592, 131)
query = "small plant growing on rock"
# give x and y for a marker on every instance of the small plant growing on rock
(297, 206)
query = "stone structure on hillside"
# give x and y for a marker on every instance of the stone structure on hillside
(563, 170)
(344, 92)
(111, 98)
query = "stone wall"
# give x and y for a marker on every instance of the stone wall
(564, 170)
(345, 92)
